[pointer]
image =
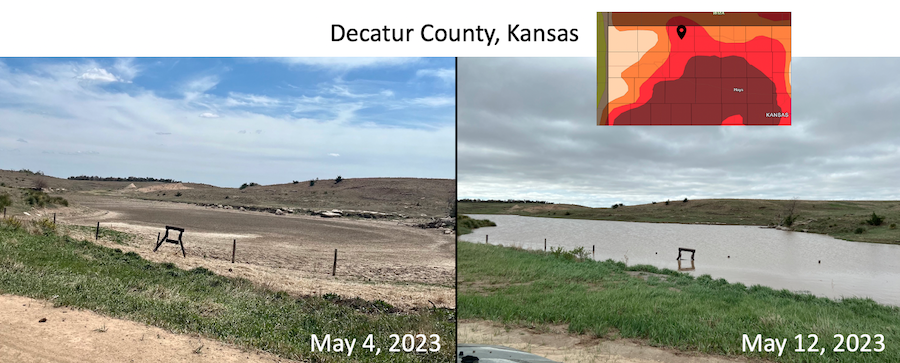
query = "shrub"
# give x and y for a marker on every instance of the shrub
(312, 182)
(667, 202)
(652, 202)
(295, 182)
(568, 213)
(614, 206)
(684, 201)
(557, 252)
(5, 200)
(179, 194)
(246, 185)
(859, 230)
(875, 220)
(580, 253)
(10, 223)
(893, 226)
(44, 226)
(39, 199)
(338, 179)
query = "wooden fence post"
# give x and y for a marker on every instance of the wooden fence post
(233, 248)
(97, 234)
(486, 240)
(545, 245)
(54, 218)
(334, 268)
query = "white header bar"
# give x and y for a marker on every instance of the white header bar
(281, 28)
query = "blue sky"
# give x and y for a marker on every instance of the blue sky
(226, 121)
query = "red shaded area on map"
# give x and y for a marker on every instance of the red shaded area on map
(699, 83)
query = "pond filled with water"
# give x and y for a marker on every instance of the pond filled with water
(800, 262)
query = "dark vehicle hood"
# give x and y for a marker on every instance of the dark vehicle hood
(496, 354)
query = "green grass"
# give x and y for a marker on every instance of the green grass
(838, 219)
(465, 225)
(123, 285)
(668, 309)
(121, 238)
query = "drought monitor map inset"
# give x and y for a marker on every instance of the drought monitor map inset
(694, 68)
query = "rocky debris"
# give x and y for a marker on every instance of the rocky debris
(334, 213)
(447, 222)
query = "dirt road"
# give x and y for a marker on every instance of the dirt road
(402, 265)
(556, 344)
(69, 336)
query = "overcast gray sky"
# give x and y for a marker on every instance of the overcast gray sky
(527, 130)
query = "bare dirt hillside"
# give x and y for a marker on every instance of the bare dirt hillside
(383, 256)
(410, 197)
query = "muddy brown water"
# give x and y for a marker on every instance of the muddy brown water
(747, 254)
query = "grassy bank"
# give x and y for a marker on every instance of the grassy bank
(840, 219)
(662, 307)
(37, 262)
(465, 225)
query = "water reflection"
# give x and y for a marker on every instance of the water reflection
(692, 268)
(751, 255)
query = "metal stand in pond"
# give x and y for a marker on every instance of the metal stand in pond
(166, 238)
(685, 250)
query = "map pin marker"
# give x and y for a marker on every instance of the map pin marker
(682, 30)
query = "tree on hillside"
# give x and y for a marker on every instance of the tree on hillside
(338, 179)
(40, 183)
(790, 218)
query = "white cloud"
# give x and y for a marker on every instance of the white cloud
(437, 101)
(240, 99)
(209, 115)
(345, 64)
(334, 154)
(126, 69)
(99, 74)
(197, 87)
(444, 74)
